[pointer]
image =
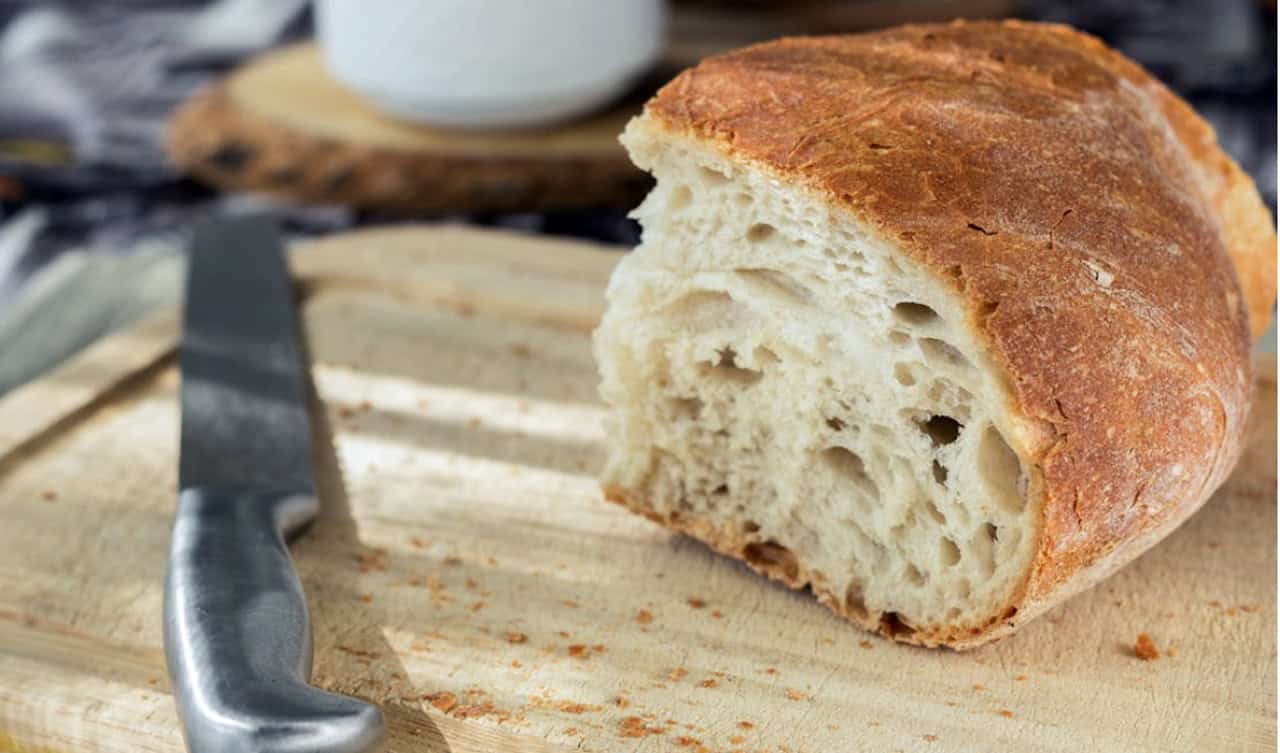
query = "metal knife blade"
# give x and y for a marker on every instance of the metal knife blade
(244, 391)
(236, 632)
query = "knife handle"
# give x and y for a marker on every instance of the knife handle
(237, 637)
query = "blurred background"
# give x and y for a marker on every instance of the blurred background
(122, 122)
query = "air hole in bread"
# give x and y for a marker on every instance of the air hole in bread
(742, 199)
(931, 508)
(948, 552)
(764, 356)
(942, 430)
(750, 526)
(940, 474)
(898, 337)
(680, 198)
(942, 353)
(688, 408)
(726, 369)
(999, 468)
(835, 424)
(914, 576)
(915, 314)
(904, 374)
(773, 558)
(892, 624)
(853, 602)
(704, 306)
(774, 284)
(848, 465)
(712, 177)
(721, 490)
(761, 231)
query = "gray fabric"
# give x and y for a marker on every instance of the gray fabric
(79, 297)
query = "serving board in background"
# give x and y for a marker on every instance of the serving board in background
(282, 126)
(466, 574)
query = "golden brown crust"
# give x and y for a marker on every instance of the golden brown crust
(1084, 215)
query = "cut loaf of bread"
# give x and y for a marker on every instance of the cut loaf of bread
(940, 322)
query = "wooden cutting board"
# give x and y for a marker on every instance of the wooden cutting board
(467, 576)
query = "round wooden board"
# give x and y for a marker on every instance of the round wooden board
(280, 125)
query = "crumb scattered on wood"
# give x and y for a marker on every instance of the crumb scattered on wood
(716, 614)
(644, 616)
(745, 725)
(864, 643)
(979, 686)
(366, 598)
(443, 701)
(931, 738)
(1006, 713)
(634, 726)
(520, 350)
(570, 603)
(514, 637)
(1020, 678)
(677, 674)
(578, 651)
(796, 695)
(695, 602)
(49, 496)
(1145, 648)
(710, 682)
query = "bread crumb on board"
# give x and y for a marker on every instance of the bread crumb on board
(696, 602)
(644, 617)
(634, 726)
(514, 637)
(1145, 648)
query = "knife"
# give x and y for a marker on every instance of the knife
(236, 633)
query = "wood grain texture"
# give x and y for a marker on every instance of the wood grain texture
(280, 125)
(466, 575)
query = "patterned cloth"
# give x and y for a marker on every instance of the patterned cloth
(92, 217)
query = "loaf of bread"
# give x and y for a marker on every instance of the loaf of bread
(944, 323)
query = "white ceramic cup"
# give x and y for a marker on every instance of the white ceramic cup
(489, 63)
